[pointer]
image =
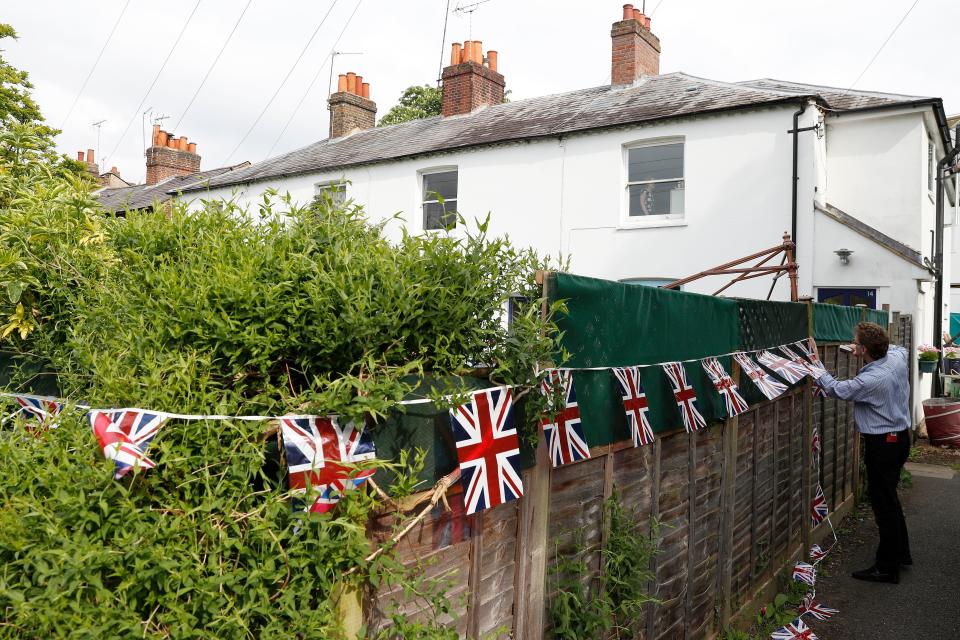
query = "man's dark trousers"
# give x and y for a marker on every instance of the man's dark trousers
(884, 455)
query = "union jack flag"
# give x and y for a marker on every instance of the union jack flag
(800, 362)
(322, 457)
(818, 508)
(685, 395)
(562, 427)
(42, 410)
(806, 347)
(796, 630)
(815, 442)
(124, 436)
(725, 385)
(817, 610)
(786, 369)
(805, 573)
(634, 404)
(768, 386)
(488, 449)
(817, 554)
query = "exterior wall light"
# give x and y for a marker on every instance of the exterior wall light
(844, 255)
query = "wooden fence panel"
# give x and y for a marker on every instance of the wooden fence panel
(743, 521)
(705, 541)
(672, 561)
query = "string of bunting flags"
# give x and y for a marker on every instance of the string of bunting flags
(325, 458)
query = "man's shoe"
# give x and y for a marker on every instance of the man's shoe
(873, 574)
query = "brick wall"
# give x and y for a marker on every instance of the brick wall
(469, 85)
(349, 112)
(636, 52)
(165, 162)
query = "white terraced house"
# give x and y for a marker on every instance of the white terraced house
(650, 178)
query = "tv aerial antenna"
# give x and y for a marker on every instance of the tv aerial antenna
(469, 9)
(98, 125)
(333, 59)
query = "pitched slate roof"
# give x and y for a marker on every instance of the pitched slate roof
(143, 196)
(836, 98)
(650, 99)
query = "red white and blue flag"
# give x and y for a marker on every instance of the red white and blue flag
(44, 411)
(805, 573)
(322, 458)
(685, 395)
(796, 630)
(767, 384)
(562, 425)
(817, 554)
(806, 347)
(634, 404)
(124, 436)
(817, 610)
(795, 358)
(725, 385)
(818, 508)
(815, 442)
(786, 369)
(488, 449)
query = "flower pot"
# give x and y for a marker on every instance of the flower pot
(951, 366)
(927, 366)
(942, 418)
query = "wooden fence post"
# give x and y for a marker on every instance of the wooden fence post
(651, 610)
(728, 485)
(806, 482)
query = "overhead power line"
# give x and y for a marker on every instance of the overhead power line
(282, 83)
(95, 63)
(869, 64)
(212, 65)
(155, 78)
(316, 75)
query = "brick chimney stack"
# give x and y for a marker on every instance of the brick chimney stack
(168, 156)
(636, 51)
(471, 81)
(351, 108)
(88, 160)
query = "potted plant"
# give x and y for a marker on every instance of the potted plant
(928, 356)
(951, 360)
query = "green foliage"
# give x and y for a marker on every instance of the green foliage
(782, 611)
(585, 607)
(418, 101)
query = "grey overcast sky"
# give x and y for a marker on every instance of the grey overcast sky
(544, 47)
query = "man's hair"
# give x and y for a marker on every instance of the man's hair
(873, 338)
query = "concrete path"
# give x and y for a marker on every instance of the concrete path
(926, 603)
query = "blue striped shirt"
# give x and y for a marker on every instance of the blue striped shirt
(880, 393)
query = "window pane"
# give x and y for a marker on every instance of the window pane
(656, 199)
(440, 216)
(442, 184)
(337, 193)
(659, 162)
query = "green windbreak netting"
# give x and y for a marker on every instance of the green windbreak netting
(881, 318)
(834, 322)
(610, 324)
(765, 324)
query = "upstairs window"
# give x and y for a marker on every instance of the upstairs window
(931, 166)
(440, 200)
(333, 192)
(655, 181)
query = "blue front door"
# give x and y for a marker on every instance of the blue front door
(848, 297)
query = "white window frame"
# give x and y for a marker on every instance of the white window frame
(422, 196)
(330, 185)
(665, 220)
(931, 166)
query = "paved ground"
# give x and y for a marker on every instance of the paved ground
(926, 603)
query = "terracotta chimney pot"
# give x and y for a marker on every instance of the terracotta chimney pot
(465, 52)
(351, 82)
(156, 134)
(455, 53)
(492, 60)
(341, 83)
(79, 156)
(192, 147)
(162, 138)
(171, 142)
(646, 22)
(358, 86)
(478, 52)
(184, 143)
(114, 170)
(366, 90)
(628, 12)
(89, 156)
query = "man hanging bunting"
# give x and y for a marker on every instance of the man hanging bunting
(796, 630)
(817, 610)
(789, 371)
(685, 396)
(818, 508)
(806, 347)
(42, 410)
(562, 426)
(125, 435)
(805, 573)
(634, 404)
(488, 449)
(767, 384)
(725, 385)
(795, 358)
(322, 457)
